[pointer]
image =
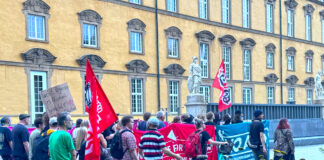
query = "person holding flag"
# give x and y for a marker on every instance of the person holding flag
(101, 113)
(220, 83)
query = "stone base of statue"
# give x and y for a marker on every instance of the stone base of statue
(196, 104)
(320, 102)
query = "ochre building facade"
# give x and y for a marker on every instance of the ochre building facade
(46, 43)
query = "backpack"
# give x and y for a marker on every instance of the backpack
(116, 149)
(193, 145)
(40, 148)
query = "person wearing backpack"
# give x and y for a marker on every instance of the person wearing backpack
(40, 144)
(283, 141)
(152, 144)
(196, 144)
(124, 141)
(38, 122)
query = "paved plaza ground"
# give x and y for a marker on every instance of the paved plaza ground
(307, 152)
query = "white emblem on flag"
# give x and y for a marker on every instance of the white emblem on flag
(172, 136)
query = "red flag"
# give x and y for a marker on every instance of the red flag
(220, 79)
(220, 83)
(101, 113)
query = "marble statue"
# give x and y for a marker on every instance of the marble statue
(194, 79)
(319, 91)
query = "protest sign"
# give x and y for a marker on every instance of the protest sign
(239, 135)
(58, 99)
(175, 136)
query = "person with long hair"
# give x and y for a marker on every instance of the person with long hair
(227, 119)
(284, 147)
(80, 141)
(205, 137)
(217, 118)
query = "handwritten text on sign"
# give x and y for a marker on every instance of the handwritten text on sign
(58, 99)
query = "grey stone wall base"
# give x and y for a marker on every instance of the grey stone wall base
(196, 105)
(304, 142)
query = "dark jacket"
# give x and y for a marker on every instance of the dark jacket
(283, 141)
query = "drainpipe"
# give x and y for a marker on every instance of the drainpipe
(280, 16)
(157, 55)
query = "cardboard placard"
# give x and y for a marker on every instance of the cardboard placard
(57, 99)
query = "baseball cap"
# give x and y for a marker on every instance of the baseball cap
(154, 121)
(23, 116)
(53, 121)
(257, 113)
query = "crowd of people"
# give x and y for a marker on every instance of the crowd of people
(55, 138)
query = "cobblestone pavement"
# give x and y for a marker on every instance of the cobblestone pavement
(307, 152)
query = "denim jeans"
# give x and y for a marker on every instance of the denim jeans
(258, 154)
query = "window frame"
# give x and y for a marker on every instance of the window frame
(309, 99)
(247, 13)
(140, 2)
(229, 11)
(207, 9)
(207, 95)
(245, 65)
(134, 40)
(207, 61)
(169, 81)
(322, 29)
(251, 95)
(308, 27)
(292, 17)
(46, 17)
(293, 63)
(177, 49)
(273, 95)
(227, 63)
(137, 94)
(268, 19)
(138, 26)
(176, 6)
(90, 17)
(293, 96)
(43, 74)
(272, 60)
(96, 33)
(309, 60)
(231, 89)
(173, 33)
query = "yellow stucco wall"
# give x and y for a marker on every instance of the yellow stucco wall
(65, 43)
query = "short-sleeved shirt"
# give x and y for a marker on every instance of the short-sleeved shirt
(142, 126)
(20, 135)
(203, 141)
(60, 145)
(129, 142)
(161, 125)
(5, 138)
(152, 143)
(256, 128)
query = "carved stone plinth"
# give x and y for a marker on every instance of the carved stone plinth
(320, 102)
(196, 104)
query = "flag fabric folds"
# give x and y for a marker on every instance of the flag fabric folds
(220, 83)
(101, 113)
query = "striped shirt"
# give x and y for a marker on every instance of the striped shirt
(152, 143)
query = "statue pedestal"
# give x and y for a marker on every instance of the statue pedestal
(196, 104)
(320, 102)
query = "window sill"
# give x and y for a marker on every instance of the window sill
(36, 40)
(270, 68)
(138, 53)
(90, 47)
(177, 58)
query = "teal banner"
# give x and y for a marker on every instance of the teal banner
(239, 135)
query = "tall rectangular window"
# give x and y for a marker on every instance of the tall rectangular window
(90, 35)
(246, 13)
(309, 96)
(227, 61)
(226, 11)
(137, 95)
(205, 90)
(291, 65)
(308, 27)
(136, 42)
(203, 9)
(270, 60)
(204, 53)
(174, 96)
(135, 1)
(173, 47)
(231, 92)
(309, 65)
(269, 8)
(322, 30)
(291, 94)
(247, 95)
(247, 65)
(36, 27)
(38, 82)
(270, 95)
(290, 23)
(172, 5)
